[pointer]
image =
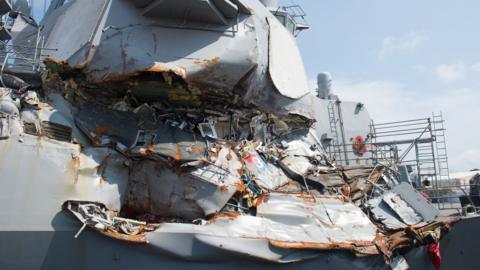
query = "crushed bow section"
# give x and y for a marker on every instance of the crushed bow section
(231, 177)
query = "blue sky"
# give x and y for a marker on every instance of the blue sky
(403, 59)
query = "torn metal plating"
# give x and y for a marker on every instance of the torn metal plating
(225, 177)
(228, 176)
(243, 55)
(203, 139)
(108, 223)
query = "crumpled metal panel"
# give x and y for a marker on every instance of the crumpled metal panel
(384, 214)
(266, 174)
(362, 179)
(229, 234)
(107, 222)
(327, 220)
(202, 190)
(417, 201)
(296, 165)
(104, 173)
(401, 207)
(107, 127)
(199, 244)
(121, 129)
(327, 179)
(286, 69)
(301, 150)
(303, 143)
(178, 144)
(271, 235)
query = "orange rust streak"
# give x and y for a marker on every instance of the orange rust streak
(180, 71)
(382, 244)
(311, 198)
(139, 238)
(157, 68)
(177, 153)
(207, 62)
(323, 246)
(102, 130)
(55, 60)
(212, 61)
(230, 215)
(197, 150)
(73, 165)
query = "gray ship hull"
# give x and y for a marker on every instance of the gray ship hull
(59, 249)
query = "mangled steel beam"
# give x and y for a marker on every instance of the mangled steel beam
(108, 223)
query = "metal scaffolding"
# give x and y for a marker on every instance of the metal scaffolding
(418, 144)
(412, 144)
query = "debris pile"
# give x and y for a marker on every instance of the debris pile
(227, 175)
(188, 127)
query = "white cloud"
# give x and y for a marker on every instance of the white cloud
(451, 72)
(408, 42)
(391, 101)
(455, 71)
(383, 98)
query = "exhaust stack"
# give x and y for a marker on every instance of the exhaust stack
(324, 83)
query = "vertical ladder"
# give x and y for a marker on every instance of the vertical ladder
(441, 147)
(426, 158)
(335, 152)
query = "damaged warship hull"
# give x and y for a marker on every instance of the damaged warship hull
(183, 133)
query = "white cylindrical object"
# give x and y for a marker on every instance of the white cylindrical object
(324, 84)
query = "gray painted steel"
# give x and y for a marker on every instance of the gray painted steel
(119, 39)
(237, 46)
